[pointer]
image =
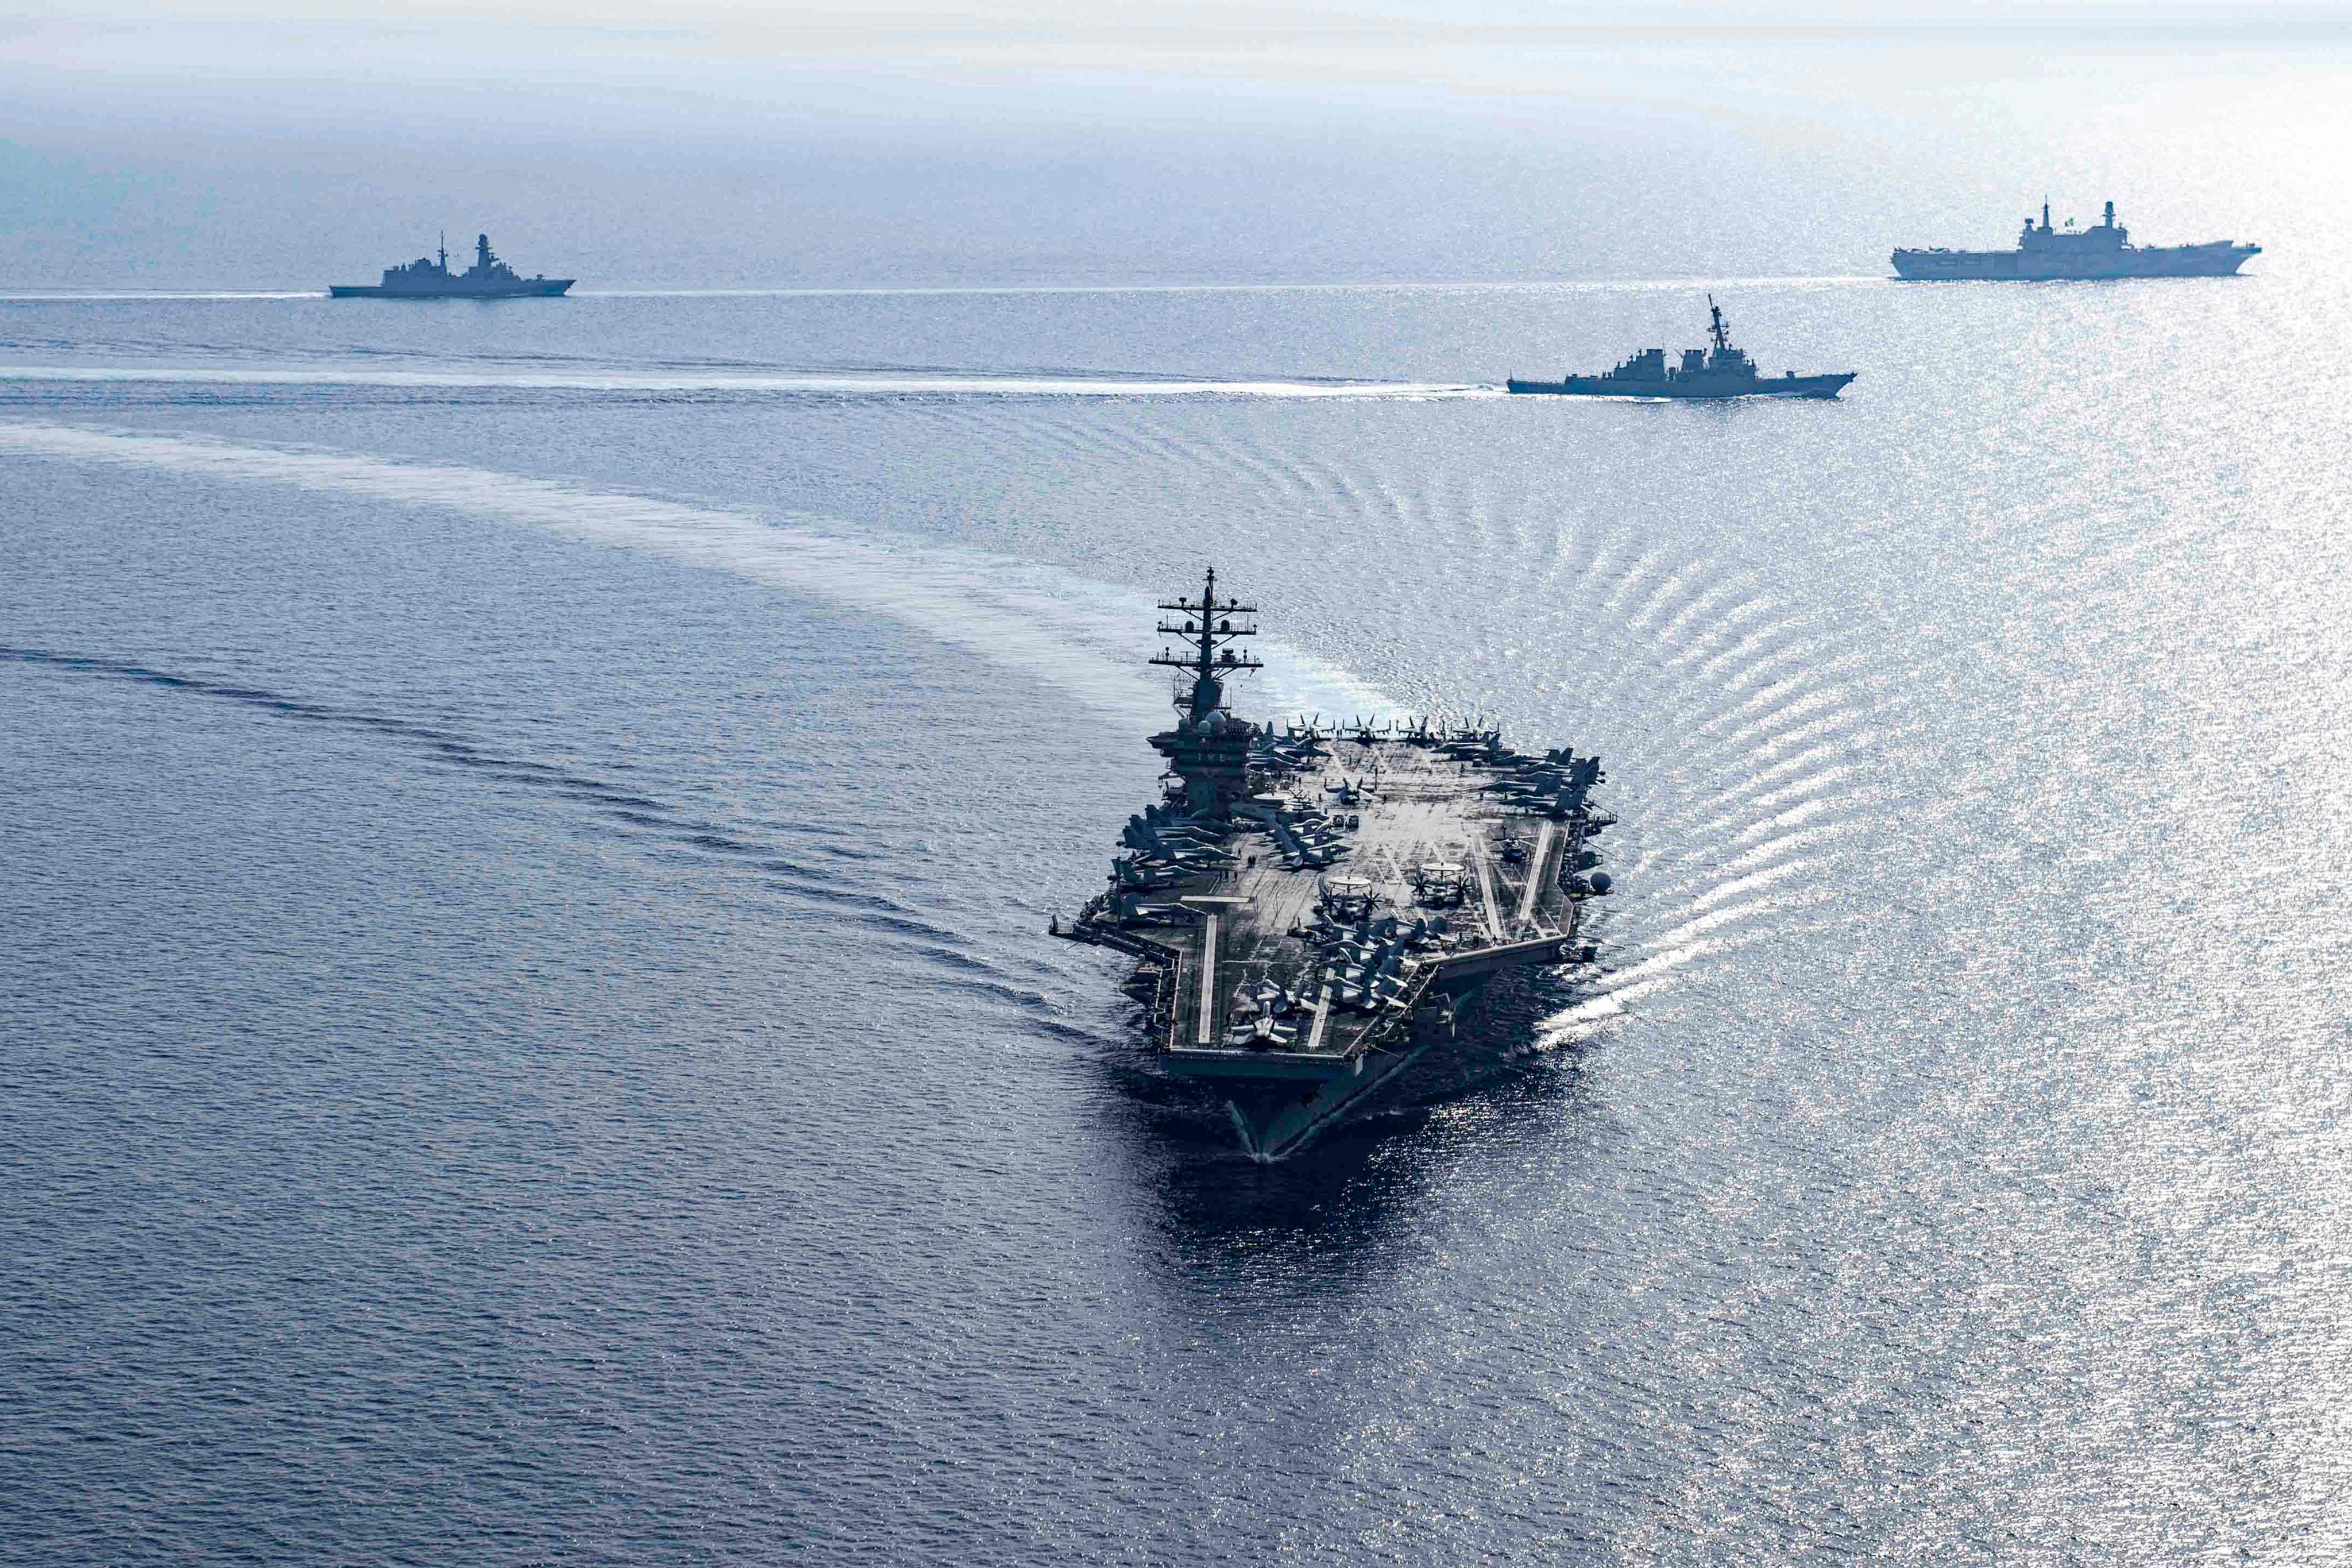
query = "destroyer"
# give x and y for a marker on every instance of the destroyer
(1312, 908)
(1725, 371)
(425, 279)
(2104, 250)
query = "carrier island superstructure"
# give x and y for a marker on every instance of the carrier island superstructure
(1313, 908)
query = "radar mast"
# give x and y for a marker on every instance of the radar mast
(1208, 748)
(1718, 331)
(1209, 630)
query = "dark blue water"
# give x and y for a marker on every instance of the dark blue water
(526, 1033)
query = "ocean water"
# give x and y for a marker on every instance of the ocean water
(527, 1036)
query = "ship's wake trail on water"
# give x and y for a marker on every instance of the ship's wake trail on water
(1057, 627)
(1740, 717)
(1067, 633)
(879, 384)
(1754, 794)
(1747, 728)
(819, 867)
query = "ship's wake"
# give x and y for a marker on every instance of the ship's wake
(709, 383)
(1739, 716)
(1074, 633)
(819, 866)
(1052, 625)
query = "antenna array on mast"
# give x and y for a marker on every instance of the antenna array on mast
(1210, 627)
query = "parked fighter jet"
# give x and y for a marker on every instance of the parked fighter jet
(1173, 844)
(1555, 787)
(1289, 752)
(1475, 743)
(1128, 905)
(1302, 836)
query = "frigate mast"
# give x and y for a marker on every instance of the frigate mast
(1208, 748)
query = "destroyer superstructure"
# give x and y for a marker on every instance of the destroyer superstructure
(1313, 907)
(1703, 374)
(425, 279)
(2047, 253)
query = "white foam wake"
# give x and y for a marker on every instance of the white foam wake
(151, 296)
(878, 383)
(1085, 637)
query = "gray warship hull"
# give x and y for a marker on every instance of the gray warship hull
(1311, 912)
(1691, 390)
(2048, 254)
(1716, 374)
(428, 277)
(529, 289)
(2221, 260)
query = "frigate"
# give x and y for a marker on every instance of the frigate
(425, 279)
(1725, 371)
(1315, 908)
(2102, 251)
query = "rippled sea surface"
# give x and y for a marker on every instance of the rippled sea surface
(527, 1036)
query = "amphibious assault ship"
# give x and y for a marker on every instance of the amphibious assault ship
(1726, 371)
(425, 279)
(2104, 250)
(1313, 908)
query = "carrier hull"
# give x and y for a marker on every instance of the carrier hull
(1521, 910)
(1311, 908)
(1275, 1123)
(1276, 1116)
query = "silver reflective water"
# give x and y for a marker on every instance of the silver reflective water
(529, 1034)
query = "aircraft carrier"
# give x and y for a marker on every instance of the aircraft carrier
(425, 279)
(1702, 375)
(1313, 908)
(2102, 251)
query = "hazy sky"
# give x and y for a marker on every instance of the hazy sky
(1480, 45)
(1061, 141)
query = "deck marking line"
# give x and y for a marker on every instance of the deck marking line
(1208, 979)
(1536, 875)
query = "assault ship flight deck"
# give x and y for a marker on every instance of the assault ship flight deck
(1312, 909)
(1726, 373)
(2102, 251)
